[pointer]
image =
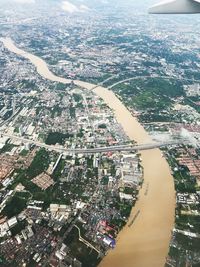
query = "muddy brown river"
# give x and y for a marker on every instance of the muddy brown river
(144, 241)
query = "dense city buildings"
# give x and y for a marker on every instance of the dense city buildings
(69, 171)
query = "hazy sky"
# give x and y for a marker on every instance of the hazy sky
(83, 2)
(25, 8)
(74, 6)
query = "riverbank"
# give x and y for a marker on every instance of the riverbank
(143, 242)
(146, 242)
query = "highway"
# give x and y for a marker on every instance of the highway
(151, 77)
(125, 148)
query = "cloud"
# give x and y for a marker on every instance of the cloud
(25, 1)
(189, 137)
(71, 8)
(84, 8)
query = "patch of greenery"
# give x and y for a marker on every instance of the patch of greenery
(14, 206)
(105, 180)
(128, 190)
(72, 112)
(57, 138)
(60, 86)
(80, 251)
(19, 227)
(24, 153)
(125, 209)
(56, 111)
(39, 164)
(16, 130)
(7, 148)
(77, 97)
(102, 126)
(58, 171)
(150, 93)
(81, 133)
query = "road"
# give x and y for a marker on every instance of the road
(125, 148)
(152, 77)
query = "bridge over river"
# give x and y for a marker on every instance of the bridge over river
(124, 148)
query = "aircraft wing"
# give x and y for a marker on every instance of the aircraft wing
(176, 7)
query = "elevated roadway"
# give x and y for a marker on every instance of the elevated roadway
(125, 148)
(152, 77)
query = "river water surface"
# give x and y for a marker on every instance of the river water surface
(144, 241)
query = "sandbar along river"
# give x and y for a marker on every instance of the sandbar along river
(144, 241)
